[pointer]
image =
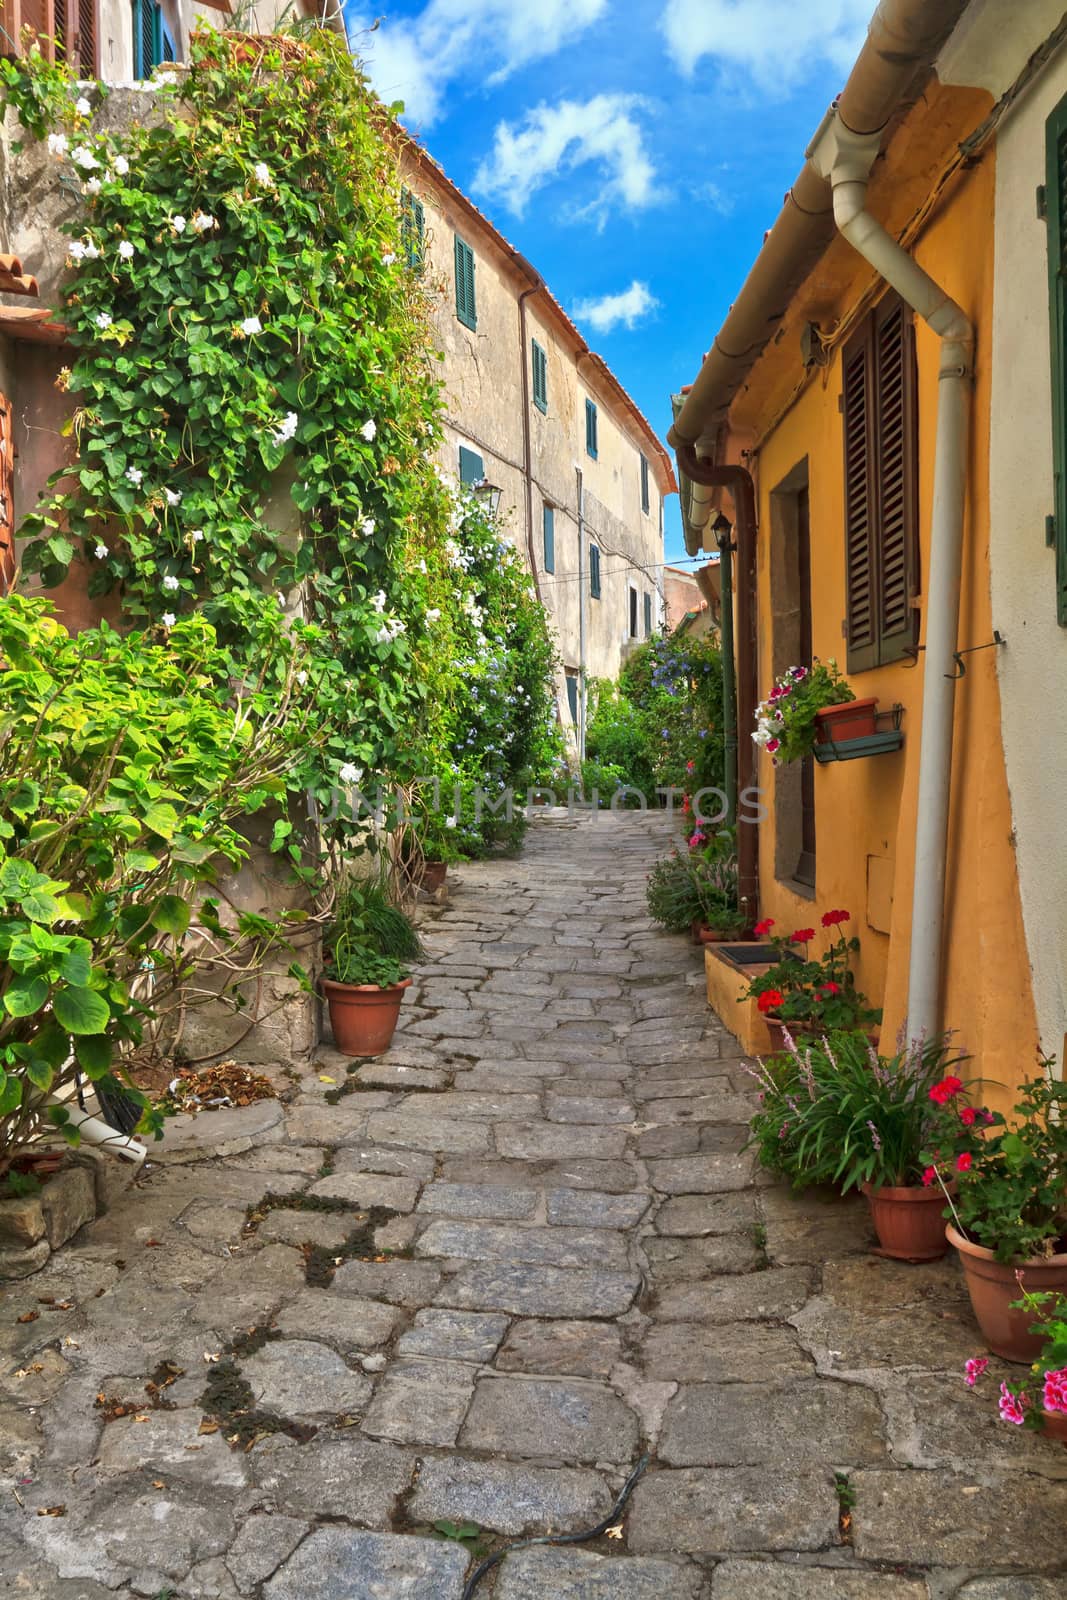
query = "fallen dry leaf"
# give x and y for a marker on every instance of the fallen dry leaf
(208, 1427)
(28, 1316)
(52, 1511)
(616, 1532)
(323, 1078)
(141, 1417)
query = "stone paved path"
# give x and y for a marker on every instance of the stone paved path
(584, 1268)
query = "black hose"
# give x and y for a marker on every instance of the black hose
(559, 1538)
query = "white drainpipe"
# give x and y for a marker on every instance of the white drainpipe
(95, 1132)
(845, 159)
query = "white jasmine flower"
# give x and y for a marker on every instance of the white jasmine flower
(202, 222)
(101, 552)
(170, 582)
(103, 320)
(121, 165)
(76, 250)
(422, 566)
(178, 224)
(379, 601)
(135, 475)
(57, 144)
(92, 186)
(126, 250)
(197, 535)
(433, 615)
(301, 678)
(262, 174)
(367, 526)
(83, 157)
(350, 773)
(388, 259)
(91, 252)
(369, 430)
(169, 619)
(250, 326)
(82, 107)
(285, 429)
(174, 496)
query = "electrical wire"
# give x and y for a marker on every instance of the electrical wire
(633, 566)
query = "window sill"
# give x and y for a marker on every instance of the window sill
(803, 891)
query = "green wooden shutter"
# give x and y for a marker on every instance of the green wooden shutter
(645, 501)
(857, 375)
(471, 466)
(572, 696)
(540, 376)
(412, 229)
(466, 309)
(648, 615)
(549, 525)
(144, 38)
(594, 572)
(590, 429)
(1056, 206)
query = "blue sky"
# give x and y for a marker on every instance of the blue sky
(634, 150)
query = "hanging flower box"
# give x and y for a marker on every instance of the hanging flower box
(851, 732)
(852, 719)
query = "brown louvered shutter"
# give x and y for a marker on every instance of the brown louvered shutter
(86, 51)
(857, 405)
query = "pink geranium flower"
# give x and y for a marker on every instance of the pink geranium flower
(1012, 1407)
(974, 1369)
(1055, 1392)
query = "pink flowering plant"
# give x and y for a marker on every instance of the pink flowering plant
(785, 721)
(1044, 1394)
(814, 993)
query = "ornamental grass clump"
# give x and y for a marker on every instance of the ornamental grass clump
(698, 885)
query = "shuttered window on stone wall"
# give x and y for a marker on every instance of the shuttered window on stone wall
(1056, 211)
(648, 615)
(539, 361)
(67, 30)
(412, 229)
(645, 498)
(590, 429)
(594, 571)
(881, 487)
(466, 309)
(471, 466)
(152, 41)
(549, 527)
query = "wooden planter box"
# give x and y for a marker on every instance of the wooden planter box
(729, 970)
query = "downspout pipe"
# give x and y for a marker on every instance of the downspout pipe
(724, 538)
(581, 614)
(846, 157)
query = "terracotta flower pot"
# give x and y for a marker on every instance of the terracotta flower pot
(908, 1221)
(363, 1016)
(702, 934)
(992, 1286)
(433, 875)
(1054, 1425)
(852, 719)
(778, 1029)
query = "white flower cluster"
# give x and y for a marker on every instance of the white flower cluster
(286, 429)
(391, 628)
(250, 326)
(203, 222)
(369, 430)
(82, 250)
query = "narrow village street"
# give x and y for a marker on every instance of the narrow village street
(587, 1273)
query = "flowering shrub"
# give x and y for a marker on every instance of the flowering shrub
(663, 726)
(699, 885)
(1016, 1402)
(835, 1111)
(1012, 1183)
(812, 992)
(785, 721)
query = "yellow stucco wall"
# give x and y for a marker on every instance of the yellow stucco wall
(866, 808)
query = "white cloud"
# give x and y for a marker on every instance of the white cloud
(552, 140)
(774, 41)
(627, 307)
(415, 59)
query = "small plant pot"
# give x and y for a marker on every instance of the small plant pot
(778, 1030)
(363, 1016)
(1054, 1426)
(908, 1221)
(852, 719)
(992, 1286)
(433, 875)
(702, 934)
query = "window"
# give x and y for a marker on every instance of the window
(412, 229)
(645, 501)
(789, 563)
(633, 612)
(471, 466)
(7, 506)
(73, 40)
(572, 696)
(590, 429)
(152, 41)
(648, 616)
(1056, 207)
(881, 502)
(465, 306)
(548, 518)
(594, 572)
(540, 377)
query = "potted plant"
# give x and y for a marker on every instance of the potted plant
(811, 994)
(810, 705)
(835, 1111)
(1047, 1318)
(367, 946)
(1009, 1216)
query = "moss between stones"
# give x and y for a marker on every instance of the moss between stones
(228, 1400)
(321, 1261)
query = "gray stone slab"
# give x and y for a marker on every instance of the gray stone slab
(385, 1074)
(347, 1323)
(491, 1241)
(588, 1109)
(345, 1564)
(714, 1173)
(421, 1130)
(698, 1215)
(402, 1283)
(302, 1378)
(479, 1200)
(169, 1444)
(568, 1421)
(262, 1544)
(461, 1104)
(966, 1519)
(773, 1580)
(757, 1297)
(545, 1291)
(742, 1424)
(368, 1189)
(742, 1352)
(454, 1335)
(421, 1402)
(587, 1208)
(691, 1260)
(332, 1475)
(720, 1107)
(376, 1158)
(309, 1123)
(228, 1132)
(284, 1226)
(581, 1575)
(716, 1511)
(1013, 1588)
(584, 1349)
(510, 1499)
(534, 1141)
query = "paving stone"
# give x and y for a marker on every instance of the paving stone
(384, 1074)
(674, 1140)
(742, 1352)
(228, 1132)
(953, 1426)
(491, 1241)
(243, 1293)
(68, 1202)
(345, 1564)
(584, 1349)
(262, 1544)
(421, 1130)
(548, 1291)
(1013, 1588)
(937, 1336)
(690, 1260)
(302, 1378)
(301, 1227)
(368, 1189)
(739, 1425)
(584, 1109)
(771, 1580)
(588, 1209)
(700, 1108)
(510, 1499)
(454, 1335)
(169, 1444)
(695, 1215)
(581, 1575)
(568, 1421)
(760, 1296)
(308, 1123)
(339, 1319)
(714, 1511)
(703, 1174)
(332, 1475)
(393, 1163)
(971, 1519)
(532, 1141)
(462, 1104)
(479, 1200)
(402, 1283)
(421, 1402)
(128, 1533)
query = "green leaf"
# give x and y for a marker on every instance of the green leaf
(161, 819)
(81, 1010)
(171, 915)
(10, 1093)
(75, 965)
(26, 996)
(25, 799)
(41, 907)
(94, 1052)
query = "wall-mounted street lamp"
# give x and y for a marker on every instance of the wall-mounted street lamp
(489, 494)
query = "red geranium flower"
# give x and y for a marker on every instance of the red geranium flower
(928, 1176)
(763, 928)
(830, 988)
(946, 1090)
(963, 1162)
(967, 1115)
(802, 936)
(769, 999)
(830, 919)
